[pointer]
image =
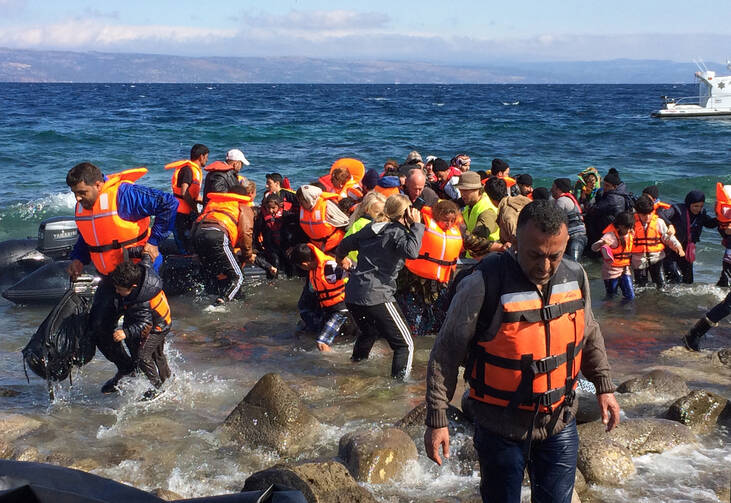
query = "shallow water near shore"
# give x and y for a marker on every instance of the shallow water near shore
(218, 354)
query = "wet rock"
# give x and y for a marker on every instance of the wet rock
(588, 407)
(722, 358)
(467, 460)
(603, 461)
(639, 436)
(700, 410)
(413, 422)
(6, 450)
(579, 482)
(328, 482)
(273, 416)
(656, 381)
(165, 494)
(8, 393)
(28, 454)
(377, 456)
(14, 426)
(85, 465)
(575, 497)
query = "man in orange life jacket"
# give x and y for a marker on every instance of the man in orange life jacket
(224, 175)
(227, 222)
(501, 169)
(113, 216)
(522, 326)
(187, 181)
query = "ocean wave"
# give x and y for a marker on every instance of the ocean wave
(36, 209)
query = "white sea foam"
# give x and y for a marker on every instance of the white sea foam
(30, 210)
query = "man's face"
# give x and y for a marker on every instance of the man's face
(415, 186)
(86, 195)
(204, 160)
(644, 218)
(470, 196)
(272, 186)
(608, 186)
(238, 165)
(525, 189)
(442, 175)
(539, 254)
(555, 192)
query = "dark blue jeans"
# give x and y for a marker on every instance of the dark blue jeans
(552, 466)
(720, 310)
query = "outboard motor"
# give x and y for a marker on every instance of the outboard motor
(57, 237)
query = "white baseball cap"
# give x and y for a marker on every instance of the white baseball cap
(236, 155)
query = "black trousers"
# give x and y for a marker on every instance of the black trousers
(655, 272)
(102, 321)
(183, 232)
(677, 269)
(148, 356)
(387, 321)
(218, 261)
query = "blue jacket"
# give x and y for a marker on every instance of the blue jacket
(135, 202)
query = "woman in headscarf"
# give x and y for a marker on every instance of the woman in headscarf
(688, 219)
(586, 186)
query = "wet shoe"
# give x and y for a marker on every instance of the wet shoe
(151, 395)
(111, 385)
(693, 338)
(692, 343)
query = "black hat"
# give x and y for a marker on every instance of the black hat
(524, 179)
(613, 177)
(563, 184)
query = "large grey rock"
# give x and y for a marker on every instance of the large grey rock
(588, 410)
(579, 482)
(656, 381)
(639, 436)
(272, 415)
(377, 456)
(14, 426)
(700, 410)
(328, 482)
(165, 494)
(602, 461)
(413, 422)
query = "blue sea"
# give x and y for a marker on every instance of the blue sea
(549, 131)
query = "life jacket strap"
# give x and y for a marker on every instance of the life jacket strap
(116, 245)
(446, 263)
(546, 313)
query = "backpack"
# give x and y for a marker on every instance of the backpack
(62, 340)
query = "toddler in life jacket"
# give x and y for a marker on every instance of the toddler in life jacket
(147, 321)
(616, 249)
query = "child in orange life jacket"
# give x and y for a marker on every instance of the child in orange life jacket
(616, 248)
(327, 281)
(147, 320)
(651, 236)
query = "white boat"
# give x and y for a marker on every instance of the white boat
(713, 100)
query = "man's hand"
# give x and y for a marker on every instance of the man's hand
(74, 269)
(118, 336)
(346, 263)
(151, 250)
(434, 439)
(610, 410)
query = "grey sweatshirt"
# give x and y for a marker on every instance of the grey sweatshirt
(382, 249)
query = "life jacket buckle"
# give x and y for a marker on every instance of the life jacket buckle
(550, 312)
(545, 365)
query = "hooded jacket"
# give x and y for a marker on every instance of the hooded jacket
(383, 247)
(140, 317)
(507, 216)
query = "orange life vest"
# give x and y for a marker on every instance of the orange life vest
(509, 181)
(647, 241)
(439, 250)
(387, 191)
(328, 294)
(659, 205)
(314, 222)
(223, 211)
(352, 190)
(535, 356)
(105, 233)
(194, 188)
(355, 167)
(723, 203)
(218, 166)
(161, 308)
(623, 251)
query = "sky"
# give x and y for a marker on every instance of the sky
(468, 32)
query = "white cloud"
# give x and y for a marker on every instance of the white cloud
(323, 21)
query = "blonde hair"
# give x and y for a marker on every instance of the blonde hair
(396, 206)
(366, 207)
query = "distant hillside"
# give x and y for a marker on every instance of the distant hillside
(62, 66)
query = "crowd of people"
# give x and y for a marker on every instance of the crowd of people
(379, 251)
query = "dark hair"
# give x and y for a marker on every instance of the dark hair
(644, 204)
(84, 172)
(498, 166)
(547, 216)
(238, 189)
(390, 165)
(563, 184)
(319, 185)
(524, 179)
(127, 274)
(541, 194)
(271, 198)
(484, 175)
(276, 177)
(496, 188)
(652, 191)
(340, 175)
(625, 219)
(197, 151)
(444, 208)
(346, 205)
(302, 253)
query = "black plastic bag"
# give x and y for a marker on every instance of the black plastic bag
(62, 340)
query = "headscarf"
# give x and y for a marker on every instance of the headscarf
(694, 196)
